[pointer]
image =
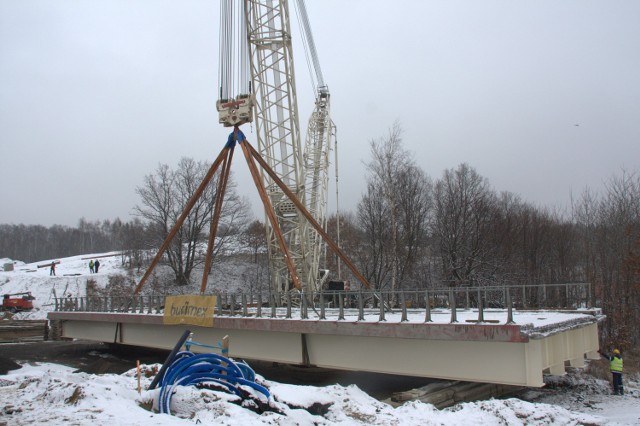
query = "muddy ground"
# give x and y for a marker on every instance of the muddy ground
(90, 357)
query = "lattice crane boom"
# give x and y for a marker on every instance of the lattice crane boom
(320, 133)
(273, 107)
(277, 128)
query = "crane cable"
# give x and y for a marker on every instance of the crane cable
(233, 66)
(311, 54)
(223, 74)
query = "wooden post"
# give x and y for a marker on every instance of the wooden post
(225, 351)
(270, 214)
(222, 186)
(302, 209)
(138, 370)
(225, 346)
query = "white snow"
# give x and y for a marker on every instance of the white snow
(54, 394)
(70, 279)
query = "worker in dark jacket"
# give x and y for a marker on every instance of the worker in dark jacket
(615, 366)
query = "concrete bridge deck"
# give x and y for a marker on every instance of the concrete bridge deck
(478, 345)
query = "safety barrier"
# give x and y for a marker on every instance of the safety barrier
(364, 304)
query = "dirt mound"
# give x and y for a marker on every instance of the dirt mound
(7, 365)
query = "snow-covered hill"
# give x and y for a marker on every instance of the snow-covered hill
(70, 279)
(72, 273)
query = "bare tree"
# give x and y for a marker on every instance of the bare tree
(254, 237)
(373, 218)
(394, 212)
(163, 197)
(585, 218)
(464, 213)
(618, 236)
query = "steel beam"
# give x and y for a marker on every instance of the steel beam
(472, 352)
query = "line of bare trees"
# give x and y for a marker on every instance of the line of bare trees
(410, 231)
(607, 241)
(30, 243)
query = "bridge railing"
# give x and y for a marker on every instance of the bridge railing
(364, 304)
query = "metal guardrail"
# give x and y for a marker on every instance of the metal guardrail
(365, 304)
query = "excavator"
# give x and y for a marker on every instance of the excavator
(17, 302)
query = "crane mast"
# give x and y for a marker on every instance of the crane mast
(278, 133)
(320, 132)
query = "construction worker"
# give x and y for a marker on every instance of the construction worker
(615, 366)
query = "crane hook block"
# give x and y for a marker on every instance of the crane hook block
(235, 112)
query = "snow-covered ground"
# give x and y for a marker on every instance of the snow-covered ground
(70, 279)
(55, 394)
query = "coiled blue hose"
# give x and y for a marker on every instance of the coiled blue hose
(188, 369)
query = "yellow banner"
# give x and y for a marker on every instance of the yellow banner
(189, 309)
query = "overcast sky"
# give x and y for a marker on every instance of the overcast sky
(541, 97)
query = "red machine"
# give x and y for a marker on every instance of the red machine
(17, 304)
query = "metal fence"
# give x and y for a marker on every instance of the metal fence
(363, 304)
